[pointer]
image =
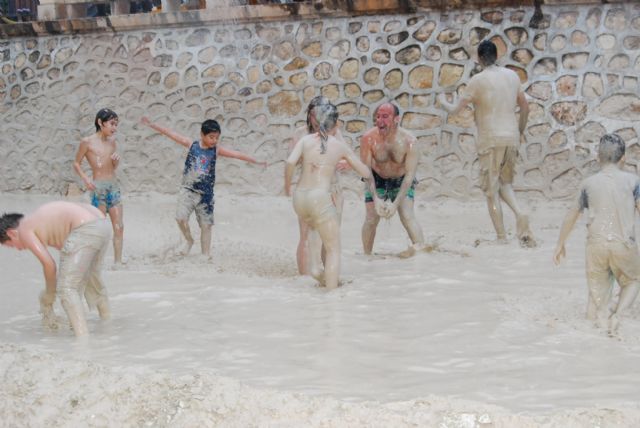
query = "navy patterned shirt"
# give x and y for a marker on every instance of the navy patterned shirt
(200, 170)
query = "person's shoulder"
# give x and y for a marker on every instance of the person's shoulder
(87, 139)
(305, 137)
(300, 132)
(480, 76)
(629, 176)
(592, 180)
(371, 132)
(511, 75)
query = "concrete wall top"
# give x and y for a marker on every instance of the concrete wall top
(256, 13)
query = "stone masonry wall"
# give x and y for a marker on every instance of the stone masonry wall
(579, 67)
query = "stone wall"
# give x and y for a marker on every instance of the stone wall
(579, 65)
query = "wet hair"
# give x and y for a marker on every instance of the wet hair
(611, 148)
(487, 52)
(8, 221)
(327, 116)
(396, 110)
(315, 101)
(210, 126)
(104, 115)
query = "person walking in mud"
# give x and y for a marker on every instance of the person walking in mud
(320, 154)
(495, 93)
(309, 241)
(611, 197)
(100, 151)
(198, 179)
(392, 154)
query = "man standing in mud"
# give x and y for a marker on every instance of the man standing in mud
(495, 93)
(392, 154)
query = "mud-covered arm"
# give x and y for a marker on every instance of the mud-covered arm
(566, 228)
(366, 156)
(456, 105)
(411, 165)
(290, 165)
(83, 148)
(343, 165)
(358, 166)
(178, 138)
(115, 159)
(39, 249)
(523, 104)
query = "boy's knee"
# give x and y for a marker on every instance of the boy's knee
(371, 220)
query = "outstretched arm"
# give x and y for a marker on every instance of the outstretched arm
(178, 138)
(456, 105)
(77, 164)
(239, 155)
(290, 166)
(358, 166)
(342, 165)
(567, 225)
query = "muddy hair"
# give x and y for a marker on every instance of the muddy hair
(104, 115)
(315, 101)
(327, 116)
(611, 148)
(8, 221)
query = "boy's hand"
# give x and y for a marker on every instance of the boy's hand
(380, 207)
(343, 166)
(263, 164)
(559, 254)
(145, 120)
(89, 185)
(442, 99)
(115, 158)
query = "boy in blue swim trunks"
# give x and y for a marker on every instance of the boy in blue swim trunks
(198, 178)
(100, 151)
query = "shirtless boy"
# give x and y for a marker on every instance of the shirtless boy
(392, 154)
(100, 151)
(308, 241)
(611, 196)
(81, 233)
(198, 179)
(495, 93)
(320, 153)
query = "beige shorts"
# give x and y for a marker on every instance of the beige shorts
(497, 166)
(314, 206)
(189, 201)
(616, 258)
(81, 262)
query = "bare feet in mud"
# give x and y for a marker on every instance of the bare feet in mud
(525, 237)
(187, 248)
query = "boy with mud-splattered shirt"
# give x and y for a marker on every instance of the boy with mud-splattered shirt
(198, 179)
(611, 197)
